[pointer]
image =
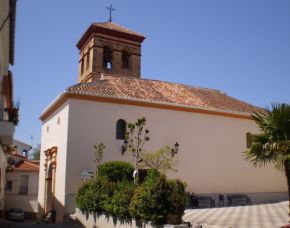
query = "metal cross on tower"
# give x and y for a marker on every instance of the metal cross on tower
(110, 9)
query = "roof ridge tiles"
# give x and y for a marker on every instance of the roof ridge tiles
(145, 79)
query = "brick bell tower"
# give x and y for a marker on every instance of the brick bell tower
(109, 48)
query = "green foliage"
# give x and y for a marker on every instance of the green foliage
(116, 171)
(87, 198)
(137, 136)
(177, 201)
(95, 195)
(99, 153)
(36, 152)
(159, 200)
(273, 144)
(161, 160)
(121, 198)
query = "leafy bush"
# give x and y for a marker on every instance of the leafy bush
(159, 200)
(177, 201)
(94, 195)
(116, 171)
(121, 198)
(87, 197)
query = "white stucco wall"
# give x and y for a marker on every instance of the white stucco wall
(54, 133)
(13, 199)
(210, 157)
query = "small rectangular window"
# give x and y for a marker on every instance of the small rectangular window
(88, 60)
(8, 187)
(82, 67)
(23, 188)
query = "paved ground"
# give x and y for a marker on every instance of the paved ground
(255, 216)
(10, 224)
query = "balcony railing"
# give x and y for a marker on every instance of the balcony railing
(10, 114)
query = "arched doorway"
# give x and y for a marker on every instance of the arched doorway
(50, 167)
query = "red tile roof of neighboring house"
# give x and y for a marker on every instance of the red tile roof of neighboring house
(23, 164)
(154, 91)
(27, 166)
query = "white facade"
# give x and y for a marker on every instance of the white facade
(210, 157)
(15, 199)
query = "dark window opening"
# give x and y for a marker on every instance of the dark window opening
(82, 66)
(8, 187)
(125, 60)
(88, 60)
(120, 129)
(107, 58)
(249, 140)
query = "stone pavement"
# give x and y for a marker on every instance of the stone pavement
(10, 224)
(254, 216)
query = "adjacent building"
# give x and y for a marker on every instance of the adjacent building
(209, 125)
(8, 110)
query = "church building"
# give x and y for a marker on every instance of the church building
(210, 126)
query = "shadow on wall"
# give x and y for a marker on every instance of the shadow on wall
(57, 206)
(98, 219)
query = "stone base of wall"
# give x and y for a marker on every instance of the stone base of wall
(108, 221)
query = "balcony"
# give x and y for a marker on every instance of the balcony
(6, 132)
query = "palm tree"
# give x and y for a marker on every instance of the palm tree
(272, 145)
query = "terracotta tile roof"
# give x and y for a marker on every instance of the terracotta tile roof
(154, 91)
(115, 27)
(26, 166)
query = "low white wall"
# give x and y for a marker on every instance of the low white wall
(102, 220)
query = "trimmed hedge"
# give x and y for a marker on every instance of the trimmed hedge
(116, 171)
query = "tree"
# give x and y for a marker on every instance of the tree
(136, 137)
(36, 152)
(273, 143)
(160, 160)
(99, 153)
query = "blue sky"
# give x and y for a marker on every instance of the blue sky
(241, 47)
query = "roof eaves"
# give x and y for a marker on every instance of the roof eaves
(193, 107)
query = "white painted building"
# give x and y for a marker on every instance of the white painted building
(21, 189)
(209, 125)
(7, 32)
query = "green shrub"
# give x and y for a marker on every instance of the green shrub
(121, 198)
(116, 171)
(159, 200)
(95, 195)
(149, 200)
(87, 197)
(177, 200)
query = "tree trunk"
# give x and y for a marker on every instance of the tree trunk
(287, 173)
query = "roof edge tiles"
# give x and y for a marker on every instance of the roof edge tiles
(111, 29)
(62, 98)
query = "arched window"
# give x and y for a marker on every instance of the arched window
(120, 129)
(249, 140)
(107, 58)
(125, 59)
